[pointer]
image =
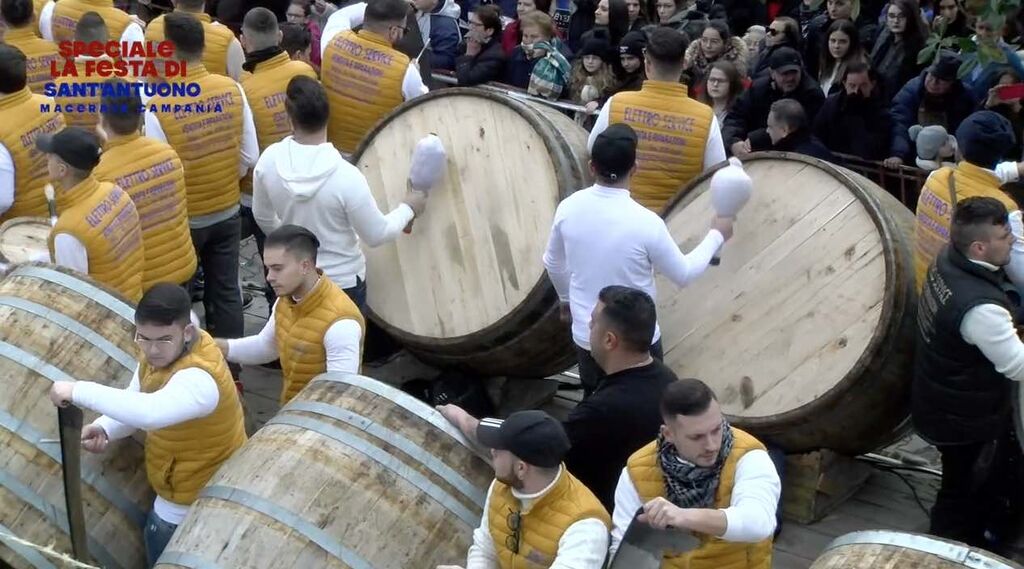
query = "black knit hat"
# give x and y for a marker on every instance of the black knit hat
(985, 138)
(595, 46)
(633, 44)
(79, 147)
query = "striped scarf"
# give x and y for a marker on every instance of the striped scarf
(551, 72)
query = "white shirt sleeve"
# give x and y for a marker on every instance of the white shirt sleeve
(679, 268)
(412, 84)
(191, 393)
(133, 33)
(1015, 269)
(627, 504)
(714, 148)
(258, 349)
(262, 207)
(1007, 172)
(236, 57)
(152, 127)
(750, 516)
(344, 19)
(600, 124)
(482, 554)
(250, 144)
(584, 545)
(555, 260)
(372, 226)
(69, 252)
(6, 180)
(46, 20)
(990, 328)
(341, 342)
(115, 429)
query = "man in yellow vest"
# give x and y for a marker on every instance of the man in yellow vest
(365, 76)
(181, 394)
(702, 477)
(97, 231)
(24, 117)
(678, 137)
(983, 138)
(21, 33)
(152, 174)
(537, 514)
(57, 20)
(214, 136)
(223, 53)
(314, 326)
(82, 110)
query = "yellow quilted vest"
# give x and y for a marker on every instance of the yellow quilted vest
(934, 214)
(218, 39)
(210, 152)
(264, 89)
(103, 217)
(151, 173)
(66, 14)
(182, 458)
(23, 121)
(542, 526)
(363, 76)
(39, 54)
(300, 328)
(714, 553)
(673, 132)
(82, 111)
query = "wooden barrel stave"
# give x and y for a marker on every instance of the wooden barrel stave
(883, 549)
(78, 328)
(518, 331)
(22, 237)
(757, 319)
(351, 473)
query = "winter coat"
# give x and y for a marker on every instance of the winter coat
(861, 128)
(750, 112)
(698, 66)
(957, 104)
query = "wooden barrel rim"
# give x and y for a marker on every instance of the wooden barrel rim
(890, 299)
(5, 226)
(45, 271)
(536, 301)
(948, 550)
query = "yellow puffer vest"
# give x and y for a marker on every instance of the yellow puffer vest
(23, 121)
(934, 214)
(151, 173)
(38, 52)
(713, 553)
(66, 14)
(182, 458)
(542, 526)
(78, 111)
(103, 217)
(218, 39)
(363, 76)
(210, 152)
(264, 89)
(300, 328)
(672, 130)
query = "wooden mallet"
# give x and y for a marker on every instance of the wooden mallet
(428, 164)
(730, 191)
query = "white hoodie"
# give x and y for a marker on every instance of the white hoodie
(314, 187)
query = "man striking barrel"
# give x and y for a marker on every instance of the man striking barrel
(705, 477)
(314, 327)
(181, 394)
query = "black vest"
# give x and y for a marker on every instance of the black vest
(958, 396)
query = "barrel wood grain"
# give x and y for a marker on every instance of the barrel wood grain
(883, 549)
(22, 238)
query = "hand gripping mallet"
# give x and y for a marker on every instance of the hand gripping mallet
(428, 164)
(730, 191)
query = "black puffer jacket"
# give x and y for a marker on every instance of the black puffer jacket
(750, 113)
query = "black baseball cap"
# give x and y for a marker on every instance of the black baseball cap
(945, 66)
(79, 147)
(534, 436)
(785, 59)
(614, 151)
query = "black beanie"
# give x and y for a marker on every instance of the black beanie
(985, 138)
(633, 44)
(595, 46)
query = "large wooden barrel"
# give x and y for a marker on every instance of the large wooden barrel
(23, 237)
(883, 549)
(350, 473)
(57, 325)
(805, 330)
(468, 288)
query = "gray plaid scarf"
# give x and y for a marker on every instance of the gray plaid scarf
(686, 484)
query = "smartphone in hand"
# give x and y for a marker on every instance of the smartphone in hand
(1011, 92)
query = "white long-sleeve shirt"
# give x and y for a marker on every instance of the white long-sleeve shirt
(714, 148)
(584, 544)
(341, 342)
(990, 328)
(750, 516)
(601, 237)
(133, 33)
(190, 393)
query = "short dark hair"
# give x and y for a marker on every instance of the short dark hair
(122, 107)
(295, 239)
(666, 47)
(972, 219)
(790, 113)
(164, 304)
(722, 28)
(685, 396)
(490, 17)
(631, 314)
(860, 66)
(260, 28)
(91, 27)
(12, 69)
(306, 103)
(186, 33)
(295, 38)
(383, 11)
(190, 4)
(16, 13)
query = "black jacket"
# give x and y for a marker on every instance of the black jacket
(750, 112)
(803, 142)
(896, 63)
(859, 127)
(488, 65)
(958, 396)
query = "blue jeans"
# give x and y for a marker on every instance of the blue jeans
(156, 537)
